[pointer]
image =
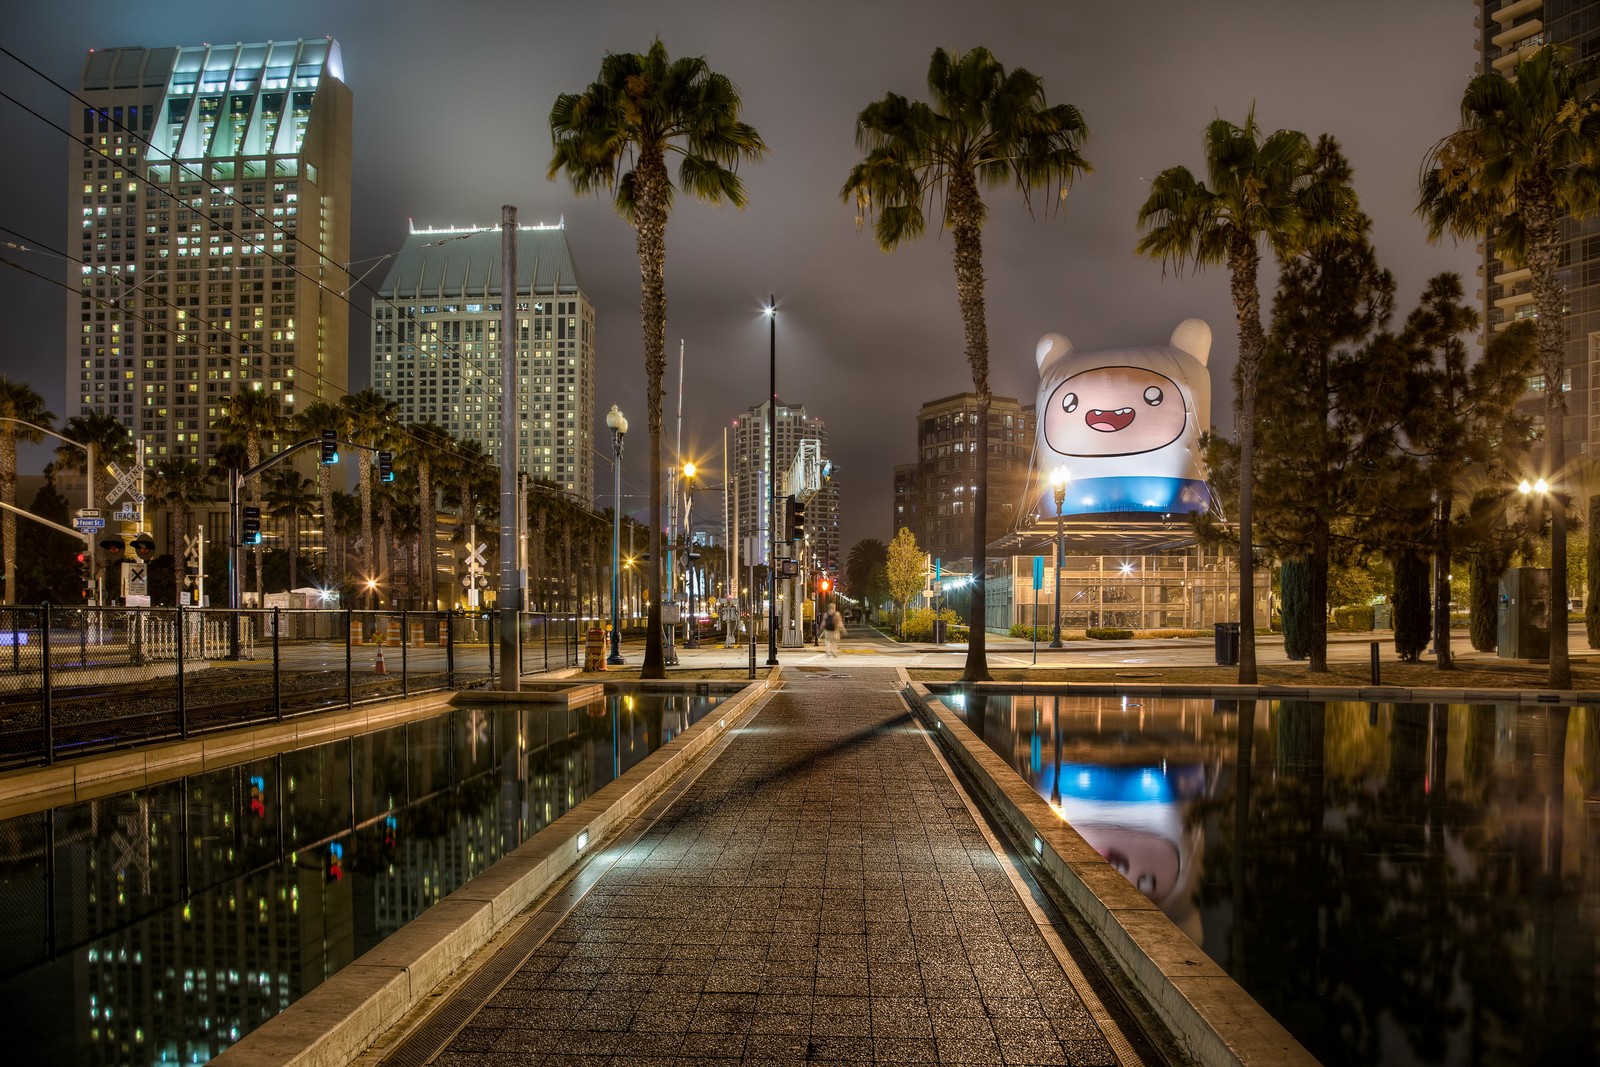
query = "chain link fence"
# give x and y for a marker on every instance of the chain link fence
(76, 680)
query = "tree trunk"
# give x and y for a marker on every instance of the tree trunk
(1243, 262)
(1543, 246)
(1441, 587)
(965, 214)
(427, 535)
(650, 220)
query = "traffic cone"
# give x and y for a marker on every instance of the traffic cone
(378, 667)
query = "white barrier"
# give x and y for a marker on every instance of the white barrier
(203, 638)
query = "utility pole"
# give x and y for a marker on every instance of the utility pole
(510, 680)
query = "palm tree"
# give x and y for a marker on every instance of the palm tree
(985, 127)
(1527, 154)
(614, 137)
(179, 484)
(424, 441)
(252, 417)
(1262, 189)
(19, 405)
(311, 421)
(112, 444)
(291, 496)
(369, 417)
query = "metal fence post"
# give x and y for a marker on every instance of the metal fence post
(277, 664)
(349, 683)
(544, 628)
(16, 641)
(183, 640)
(449, 649)
(493, 617)
(405, 643)
(49, 733)
(137, 638)
(83, 641)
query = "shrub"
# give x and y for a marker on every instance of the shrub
(1353, 617)
(919, 625)
(1295, 581)
(1484, 595)
(1031, 633)
(1413, 624)
(1108, 633)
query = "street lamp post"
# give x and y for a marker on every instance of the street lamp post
(692, 637)
(772, 477)
(1058, 483)
(618, 422)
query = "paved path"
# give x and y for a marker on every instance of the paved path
(820, 893)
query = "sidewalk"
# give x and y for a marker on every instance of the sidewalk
(820, 893)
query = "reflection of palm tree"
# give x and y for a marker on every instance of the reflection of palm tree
(291, 496)
(17, 401)
(985, 127)
(180, 483)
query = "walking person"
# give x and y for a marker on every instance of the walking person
(832, 630)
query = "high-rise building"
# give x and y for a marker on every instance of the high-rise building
(436, 345)
(1510, 30)
(907, 497)
(749, 464)
(212, 208)
(947, 461)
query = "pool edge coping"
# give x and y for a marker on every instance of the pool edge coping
(1210, 1015)
(341, 1018)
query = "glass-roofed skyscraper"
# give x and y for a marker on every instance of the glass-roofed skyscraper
(212, 225)
(436, 345)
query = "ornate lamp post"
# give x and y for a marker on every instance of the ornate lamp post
(618, 422)
(1058, 483)
(692, 638)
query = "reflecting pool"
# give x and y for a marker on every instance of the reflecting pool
(160, 926)
(1395, 883)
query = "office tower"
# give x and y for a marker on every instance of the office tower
(436, 345)
(907, 497)
(748, 465)
(1509, 31)
(213, 210)
(947, 462)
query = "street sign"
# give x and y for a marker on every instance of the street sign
(88, 522)
(126, 515)
(87, 513)
(138, 579)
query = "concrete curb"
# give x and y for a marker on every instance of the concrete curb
(1381, 694)
(1210, 1016)
(340, 1018)
(87, 777)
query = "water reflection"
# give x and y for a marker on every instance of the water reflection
(1397, 884)
(161, 926)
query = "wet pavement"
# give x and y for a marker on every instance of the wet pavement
(821, 892)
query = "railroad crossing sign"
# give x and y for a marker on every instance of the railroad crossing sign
(191, 547)
(138, 578)
(125, 482)
(127, 513)
(475, 556)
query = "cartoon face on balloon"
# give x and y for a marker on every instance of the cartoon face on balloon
(1123, 425)
(1114, 411)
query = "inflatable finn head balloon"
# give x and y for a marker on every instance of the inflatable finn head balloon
(1125, 425)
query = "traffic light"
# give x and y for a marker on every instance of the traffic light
(114, 548)
(385, 466)
(333, 863)
(823, 585)
(143, 545)
(251, 528)
(797, 520)
(83, 574)
(330, 446)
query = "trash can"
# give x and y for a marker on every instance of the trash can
(938, 631)
(1227, 638)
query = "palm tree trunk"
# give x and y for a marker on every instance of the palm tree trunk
(650, 218)
(965, 212)
(1243, 261)
(1441, 587)
(1544, 258)
(427, 536)
(333, 573)
(369, 555)
(8, 522)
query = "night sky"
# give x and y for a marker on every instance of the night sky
(452, 103)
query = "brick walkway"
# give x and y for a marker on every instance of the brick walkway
(820, 894)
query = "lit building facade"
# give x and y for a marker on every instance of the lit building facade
(436, 346)
(947, 461)
(748, 465)
(907, 497)
(1510, 30)
(212, 222)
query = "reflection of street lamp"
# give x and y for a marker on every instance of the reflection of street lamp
(693, 638)
(618, 422)
(1058, 483)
